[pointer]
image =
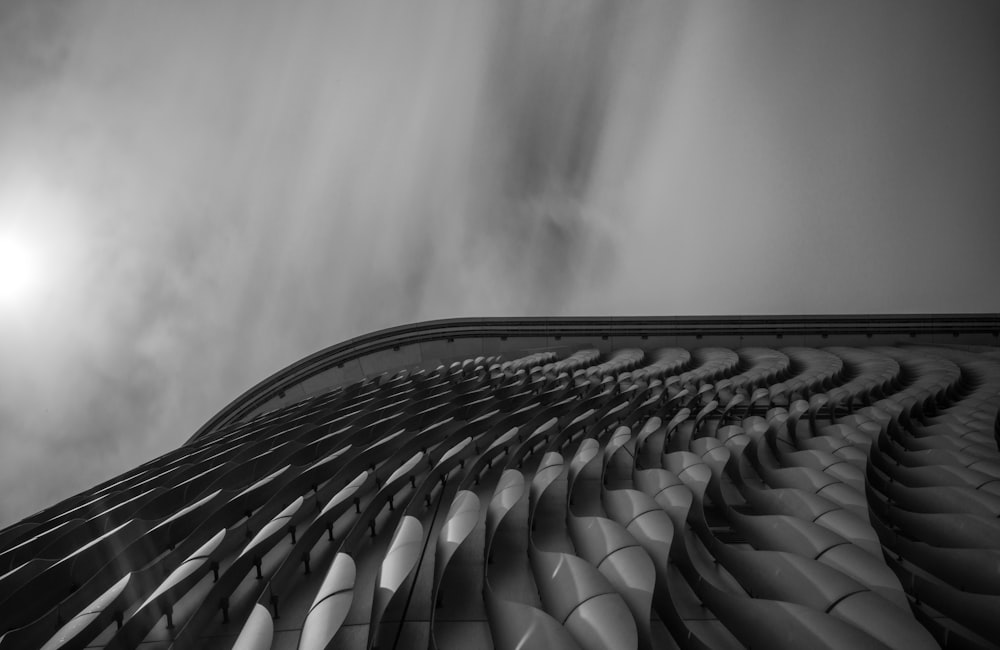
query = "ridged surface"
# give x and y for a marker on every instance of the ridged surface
(706, 498)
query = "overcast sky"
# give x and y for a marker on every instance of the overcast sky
(216, 188)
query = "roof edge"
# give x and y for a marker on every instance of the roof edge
(453, 328)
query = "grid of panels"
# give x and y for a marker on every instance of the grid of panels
(794, 497)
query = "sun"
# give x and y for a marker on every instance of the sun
(20, 270)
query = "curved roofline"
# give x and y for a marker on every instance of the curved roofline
(393, 338)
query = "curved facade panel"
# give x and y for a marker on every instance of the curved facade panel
(603, 491)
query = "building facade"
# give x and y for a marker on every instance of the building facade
(768, 482)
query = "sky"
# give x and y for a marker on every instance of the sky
(209, 190)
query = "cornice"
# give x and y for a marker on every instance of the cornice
(393, 338)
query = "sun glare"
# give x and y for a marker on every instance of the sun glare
(19, 270)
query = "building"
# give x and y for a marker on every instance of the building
(555, 483)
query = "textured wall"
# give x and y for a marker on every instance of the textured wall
(781, 497)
